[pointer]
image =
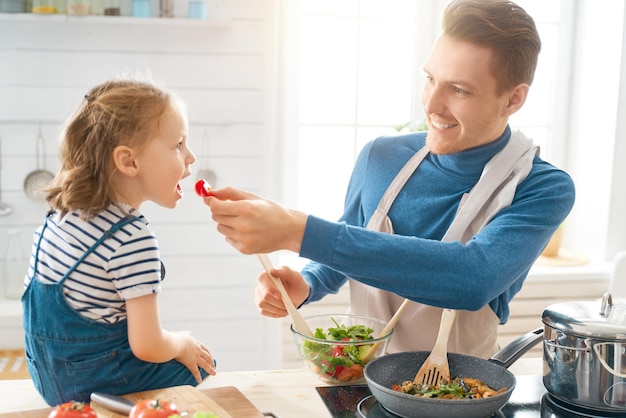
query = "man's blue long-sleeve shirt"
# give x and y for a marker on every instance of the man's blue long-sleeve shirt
(413, 263)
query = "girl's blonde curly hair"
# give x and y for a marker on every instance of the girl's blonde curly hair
(116, 112)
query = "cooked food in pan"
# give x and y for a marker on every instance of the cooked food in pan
(458, 388)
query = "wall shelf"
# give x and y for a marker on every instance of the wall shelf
(212, 22)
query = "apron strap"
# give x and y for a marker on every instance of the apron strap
(498, 181)
(379, 220)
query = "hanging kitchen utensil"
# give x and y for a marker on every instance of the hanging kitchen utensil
(205, 172)
(38, 179)
(4, 208)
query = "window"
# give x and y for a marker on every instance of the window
(356, 83)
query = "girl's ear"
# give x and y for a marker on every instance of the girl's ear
(124, 159)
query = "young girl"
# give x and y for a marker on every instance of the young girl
(91, 313)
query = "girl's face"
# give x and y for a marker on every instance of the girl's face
(164, 161)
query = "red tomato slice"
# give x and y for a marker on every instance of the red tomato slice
(337, 371)
(337, 351)
(350, 373)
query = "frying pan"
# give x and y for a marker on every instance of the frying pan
(383, 372)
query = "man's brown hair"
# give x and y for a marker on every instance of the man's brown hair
(502, 26)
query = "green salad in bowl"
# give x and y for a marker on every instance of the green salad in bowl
(339, 348)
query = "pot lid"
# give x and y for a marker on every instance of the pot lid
(600, 319)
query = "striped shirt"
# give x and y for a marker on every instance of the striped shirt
(125, 266)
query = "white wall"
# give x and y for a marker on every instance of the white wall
(223, 69)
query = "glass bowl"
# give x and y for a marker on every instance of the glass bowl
(340, 361)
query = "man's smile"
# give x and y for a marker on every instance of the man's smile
(442, 125)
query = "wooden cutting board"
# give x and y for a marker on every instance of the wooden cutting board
(186, 398)
(227, 402)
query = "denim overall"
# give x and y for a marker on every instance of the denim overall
(70, 356)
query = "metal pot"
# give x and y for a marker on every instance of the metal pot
(584, 352)
(383, 372)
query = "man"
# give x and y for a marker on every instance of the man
(451, 218)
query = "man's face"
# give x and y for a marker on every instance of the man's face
(463, 108)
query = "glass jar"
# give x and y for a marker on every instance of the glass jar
(44, 7)
(140, 8)
(97, 7)
(14, 265)
(112, 8)
(12, 6)
(197, 9)
(166, 8)
(79, 7)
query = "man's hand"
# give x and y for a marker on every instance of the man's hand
(255, 225)
(268, 297)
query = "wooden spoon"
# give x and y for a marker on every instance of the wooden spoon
(299, 323)
(385, 331)
(436, 367)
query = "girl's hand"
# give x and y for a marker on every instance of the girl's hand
(194, 355)
(151, 343)
(268, 297)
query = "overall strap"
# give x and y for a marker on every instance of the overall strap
(107, 234)
(45, 225)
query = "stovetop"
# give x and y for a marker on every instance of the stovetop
(528, 400)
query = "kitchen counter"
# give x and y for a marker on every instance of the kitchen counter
(286, 393)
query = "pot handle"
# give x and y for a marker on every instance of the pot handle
(596, 348)
(555, 345)
(517, 348)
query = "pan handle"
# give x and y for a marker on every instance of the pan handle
(517, 348)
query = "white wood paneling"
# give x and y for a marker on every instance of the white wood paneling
(140, 36)
(209, 70)
(56, 104)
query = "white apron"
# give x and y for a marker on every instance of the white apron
(473, 333)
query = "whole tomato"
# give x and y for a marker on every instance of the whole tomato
(73, 410)
(153, 408)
